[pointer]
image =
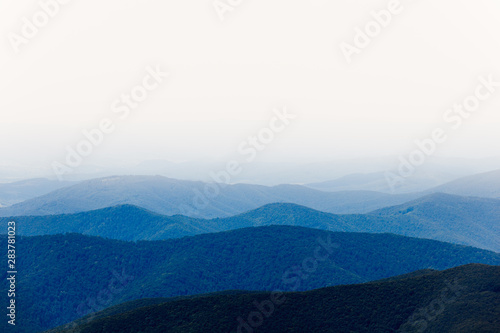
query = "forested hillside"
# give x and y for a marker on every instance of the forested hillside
(65, 276)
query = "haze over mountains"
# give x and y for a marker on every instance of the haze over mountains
(15, 192)
(182, 166)
(376, 181)
(264, 258)
(206, 200)
(170, 238)
(481, 185)
(197, 199)
(436, 171)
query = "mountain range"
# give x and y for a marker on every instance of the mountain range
(462, 220)
(119, 251)
(67, 276)
(196, 199)
(208, 200)
(485, 184)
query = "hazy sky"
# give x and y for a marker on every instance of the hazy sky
(226, 77)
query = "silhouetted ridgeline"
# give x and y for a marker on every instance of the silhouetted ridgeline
(460, 300)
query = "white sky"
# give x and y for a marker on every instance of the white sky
(226, 77)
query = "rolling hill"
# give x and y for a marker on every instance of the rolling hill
(146, 302)
(486, 185)
(15, 192)
(196, 199)
(459, 300)
(444, 217)
(124, 222)
(67, 276)
(466, 220)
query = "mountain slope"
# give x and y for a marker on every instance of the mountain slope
(12, 193)
(376, 181)
(65, 276)
(444, 217)
(471, 220)
(486, 185)
(146, 302)
(196, 199)
(139, 303)
(125, 222)
(459, 300)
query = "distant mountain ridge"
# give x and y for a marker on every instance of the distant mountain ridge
(196, 199)
(486, 185)
(376, 181)
(444, 217)
(15, 192)
(208, 200)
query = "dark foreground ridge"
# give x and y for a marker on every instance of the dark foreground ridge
(459, 300)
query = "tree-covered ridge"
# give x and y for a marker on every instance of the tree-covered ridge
(65, 276)
(461, 220)
(460, 300)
